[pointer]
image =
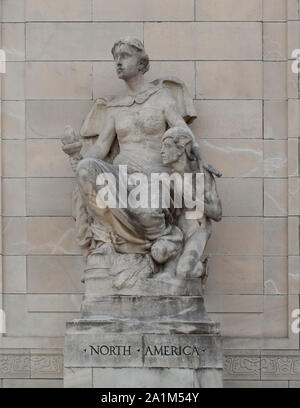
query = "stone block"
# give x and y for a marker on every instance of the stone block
(275, 158)
(294, 196)
(228, 237)
(275, 275)
(51, 235)
(59, 80)
(13, 86)
(274, 41)
(13, 203)
(239, 325)
(294, 384)
(22, 324)
(275, 236)
(14, 236)
(184, 70)
(294, 275)
(13, 10)
(14, 364)
(221, 41)
(142, 378)
(32, 383)
(14, 274)
(13, 41)
(228, 10)
(235, 275)
(241, 365)
(77, 41)
(13, 120)
(275, 197)
(275, 80)
(282, 365)
(78, 377)
(292, 9)
(275, 320)
(47, 119)
(188, 351)
(293, 32)
(239, 79)
(49, 196)
(294, 118)
(58, 10)
(238, 157)
(291, 81)
(228, 119)
(293, 162)
(274, 10)
(241, 197)
(53, 303)
(45, 158)
(143, 10)
(13, 162)
(55, 274)
(46, 364)
(256, 384)
(218, 303)
(293, 236)
(275, 119)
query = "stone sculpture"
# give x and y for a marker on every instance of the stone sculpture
(137, 243)
(145, 264)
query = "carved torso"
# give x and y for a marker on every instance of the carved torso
(140, 126)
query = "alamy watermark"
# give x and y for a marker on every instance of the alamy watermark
(2, 322)
(296, 322)
(137, 190)
(296, 64)
(2, 62)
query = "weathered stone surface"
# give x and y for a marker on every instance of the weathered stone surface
(13, 119)
(228, 10)
(281, 366)
(46, 365)
(245, 366)
(59, 10)
(75, 44)
(142, 378)
(240, 79)
(143, 10)
(14, 364)
(78, 377)
(219, 41)
(54, 274)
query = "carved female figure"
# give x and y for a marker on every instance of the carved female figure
(128, 131)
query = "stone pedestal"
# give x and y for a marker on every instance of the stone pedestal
(144, 340)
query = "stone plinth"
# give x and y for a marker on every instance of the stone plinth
(143, 341)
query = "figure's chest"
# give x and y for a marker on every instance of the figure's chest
(139, 118)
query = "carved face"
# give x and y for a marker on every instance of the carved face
(127, 62)
(170, 151)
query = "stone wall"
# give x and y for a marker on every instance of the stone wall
(234, 56)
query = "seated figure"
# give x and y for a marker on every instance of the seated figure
(177, 151)
(131, 243)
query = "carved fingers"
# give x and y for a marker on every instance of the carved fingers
(71, 144)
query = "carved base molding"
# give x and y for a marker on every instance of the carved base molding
(253, 368)
(143, 341)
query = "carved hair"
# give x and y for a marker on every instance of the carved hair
(181, 137)
(138, 47)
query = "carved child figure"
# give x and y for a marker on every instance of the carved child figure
(176, 151)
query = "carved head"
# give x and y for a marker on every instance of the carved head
(130, 57)
(176, 142)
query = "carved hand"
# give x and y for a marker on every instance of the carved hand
(203, 163)
(71, 144)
